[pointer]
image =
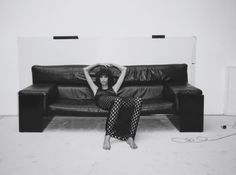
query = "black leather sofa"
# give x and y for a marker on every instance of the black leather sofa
(63, 90)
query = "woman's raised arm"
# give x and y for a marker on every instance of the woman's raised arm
(121, 78)
(88, 77)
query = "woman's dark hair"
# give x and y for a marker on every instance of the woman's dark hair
(107, 72)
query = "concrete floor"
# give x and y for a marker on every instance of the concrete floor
(73, 145)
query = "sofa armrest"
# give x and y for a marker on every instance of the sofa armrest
(186, 89)
(189, 103)
(173, 92)
(47, 91)
(33, 103)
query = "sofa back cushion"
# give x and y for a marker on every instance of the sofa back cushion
(174, 73)
(135, 75)
(83, 92)
(146, 92)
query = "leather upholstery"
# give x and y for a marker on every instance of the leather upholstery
(33, 103)
(47, 91)
(83, 92)
(88, 107)
(189, 104)
(135, 75)
(173, 91)
(183, 89)
(63, 90)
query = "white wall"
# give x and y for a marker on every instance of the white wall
(90, 50)
(211, 21)
(230, 95)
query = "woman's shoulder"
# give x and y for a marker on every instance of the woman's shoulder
(113, 90)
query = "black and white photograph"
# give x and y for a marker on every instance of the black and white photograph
(121, 87)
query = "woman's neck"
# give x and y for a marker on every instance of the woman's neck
(104, 88)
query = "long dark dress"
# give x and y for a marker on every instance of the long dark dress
(124, 113)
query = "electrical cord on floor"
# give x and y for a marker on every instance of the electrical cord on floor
(200, 139)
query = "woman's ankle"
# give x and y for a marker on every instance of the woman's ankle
(130, 138)
(107, 136)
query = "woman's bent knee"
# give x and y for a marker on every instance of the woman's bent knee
(139, 99)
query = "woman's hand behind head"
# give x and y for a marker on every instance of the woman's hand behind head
(106, 64)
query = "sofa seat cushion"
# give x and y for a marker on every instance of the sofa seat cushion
(88, 107)
(75, 107)
(158, 106)
(80, 92)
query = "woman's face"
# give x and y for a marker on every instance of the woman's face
(104, 80)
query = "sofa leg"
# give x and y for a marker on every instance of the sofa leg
(30, 114)
(190, 117)
(191, 124)
(185, 125)
(191, 113)
(28, 125)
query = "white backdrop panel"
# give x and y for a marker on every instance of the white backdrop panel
(90, 50)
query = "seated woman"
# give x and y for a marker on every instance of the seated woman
(124, 112)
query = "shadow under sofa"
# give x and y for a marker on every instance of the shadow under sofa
(62, 90)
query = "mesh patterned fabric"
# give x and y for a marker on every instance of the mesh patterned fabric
(124, 113)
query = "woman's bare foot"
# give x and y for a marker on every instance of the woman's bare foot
(131, 143)
(106, 144)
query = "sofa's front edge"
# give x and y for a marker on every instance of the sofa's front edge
(33, 102)
(191, 112)
(189, 103)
